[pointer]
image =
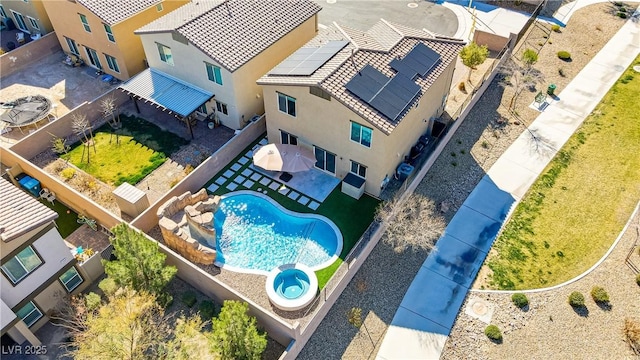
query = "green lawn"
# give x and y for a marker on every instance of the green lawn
(67, 219)
(350, 215)
(142, 148)
(580, 203)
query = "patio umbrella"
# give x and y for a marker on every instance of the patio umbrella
(284, 157)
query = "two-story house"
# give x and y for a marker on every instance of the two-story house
(29, 16)
(360, 100)
(36, 264)
(101, 31)
(221, 48)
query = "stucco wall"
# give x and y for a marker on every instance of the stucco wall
(327, 124)
(27, 54)
(32, 8)
(492, 41)
(127, 47)
(239, 90)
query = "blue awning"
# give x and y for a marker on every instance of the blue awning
(167, 91)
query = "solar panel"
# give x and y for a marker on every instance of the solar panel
(305, 61)
(420, 60)
(389, 96)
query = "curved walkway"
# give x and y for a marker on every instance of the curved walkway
(428, 310)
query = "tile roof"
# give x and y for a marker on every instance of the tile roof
(114, 11)
(232, 32)
(21, 212)
(376, 47)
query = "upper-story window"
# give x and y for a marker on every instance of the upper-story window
(165, 54)
(361, 134)
(71, 279)
(85, 23)
(34, 23)
(110, 36)
(213, 73)
(159, 7)
(29, 313)
(18, 267)
(287, 104)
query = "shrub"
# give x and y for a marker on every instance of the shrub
(638, 279)
(561, 72)
(622, 15)
(189, 298)
(529, 56)
(93, 301)
(632, 334)
(520, 300)
(493, 333)
(188, 169)
(576, 299)
(599, 295)
(462, 87)
(108, 286)
(207, 310)
(67, 173)
(555, 28)
(564, 55)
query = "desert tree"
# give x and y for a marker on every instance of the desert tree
(235, 334)
(82, 128)
(519, 77)
(473, 55)
(60, 147)
(140, 265)
(190, 340)
(410, 224)
(110, 112)
(529, 57)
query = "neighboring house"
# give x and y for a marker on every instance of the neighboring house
(360, 100)
(36, 264)
(101, 31)
(29, 16)
(219, 49)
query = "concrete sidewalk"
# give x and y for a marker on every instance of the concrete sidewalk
(424, 319)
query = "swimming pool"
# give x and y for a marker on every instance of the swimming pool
(255, 234)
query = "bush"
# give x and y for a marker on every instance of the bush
(576, 299)
(529, 56)
(93, 301)
(561, 72)
(632, 334)
(599, 295)
(520, 300)
(108, 286)
(67, 173)
(462, 87)
(564, 55)
(638, 279)
(622, 15)
(189, 298)
(555, 27)
(493, 332)
(207, 310)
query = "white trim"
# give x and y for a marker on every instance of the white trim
(17, 23)
(327, 263)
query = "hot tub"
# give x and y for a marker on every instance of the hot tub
(291, 287)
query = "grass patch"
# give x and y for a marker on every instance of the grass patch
(142, 148)
(579, 204)
(350, 215)
(67, 219)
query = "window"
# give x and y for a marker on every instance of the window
(358, 169)
(325, 160)
(29, 313)
(287, 104)
(112, 63)
(73, 48)
(110, 36)
(159, 7)
(213, 73)
(34, 23)
(361, 134)
(202, 109)
(20, 21)
(313, 90)
(85, 23)
(287, 138)
(221, 107)
(21, 265)
(71, 279)
(2, 13)
(93, 58)
(165, 54)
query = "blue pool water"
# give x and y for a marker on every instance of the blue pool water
(256, 234)
(291, 283)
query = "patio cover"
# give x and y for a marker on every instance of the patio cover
(167, 91)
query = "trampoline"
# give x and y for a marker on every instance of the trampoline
(25, 111)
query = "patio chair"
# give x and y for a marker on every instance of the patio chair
(20, 38)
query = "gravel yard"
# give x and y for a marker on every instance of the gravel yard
(383, 279)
